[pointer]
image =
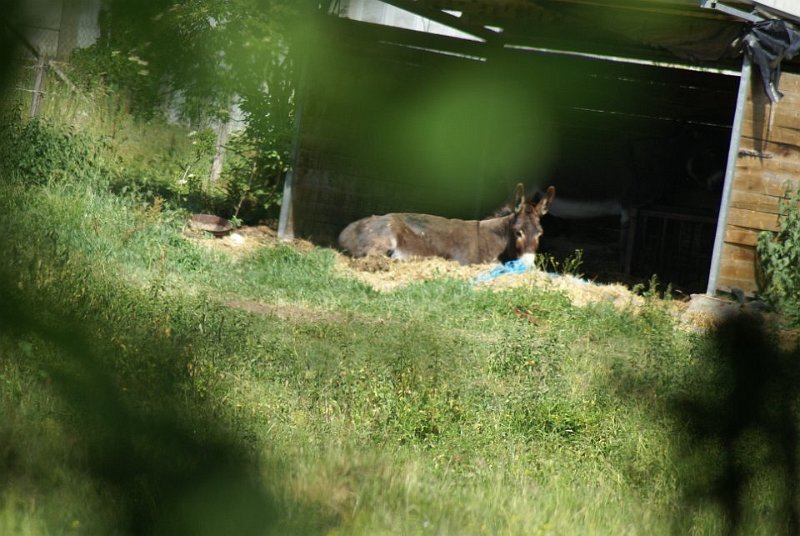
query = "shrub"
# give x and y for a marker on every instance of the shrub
(779, 259)
(253, 178)
(38, 152)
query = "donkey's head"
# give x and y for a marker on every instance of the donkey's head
(524, 228)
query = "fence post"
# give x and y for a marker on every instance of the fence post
(38, 86)
(219, 151)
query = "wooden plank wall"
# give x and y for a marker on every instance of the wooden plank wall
(768, 162)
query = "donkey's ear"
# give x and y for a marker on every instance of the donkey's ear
(519, 197)
(546, 200)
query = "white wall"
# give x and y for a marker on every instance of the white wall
(49, 21)
(791, 8)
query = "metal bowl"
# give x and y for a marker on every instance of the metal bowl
(210, 223)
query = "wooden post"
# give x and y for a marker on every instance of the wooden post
(38, 86)
(219, 155)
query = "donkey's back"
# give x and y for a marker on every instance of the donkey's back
(404, 235)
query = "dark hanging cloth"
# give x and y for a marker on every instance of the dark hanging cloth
(768, 43)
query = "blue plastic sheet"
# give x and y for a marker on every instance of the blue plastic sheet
(511, 267)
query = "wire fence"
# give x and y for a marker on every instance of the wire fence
(45, 44)
(52, 31)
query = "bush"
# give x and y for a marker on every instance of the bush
(253, 178)
(198, 90)
(779, 259)
(38, 152)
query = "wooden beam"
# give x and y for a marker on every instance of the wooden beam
(38, 86)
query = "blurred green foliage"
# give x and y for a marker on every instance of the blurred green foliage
(150, 384)
(192, 56)
(200, 61)
(779, 259)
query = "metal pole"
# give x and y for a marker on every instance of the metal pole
(730, 170)
(728, 10)
(286, 218)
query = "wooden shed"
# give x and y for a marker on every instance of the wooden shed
(766, 164)
(375, 134)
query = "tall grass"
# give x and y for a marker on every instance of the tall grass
(150, 157)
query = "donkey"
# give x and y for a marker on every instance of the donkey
(513, 235)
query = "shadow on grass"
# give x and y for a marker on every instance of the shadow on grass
(156, 471)
(159, 460)
(741, 454)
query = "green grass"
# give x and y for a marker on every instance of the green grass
(431, 409)
(135, 400)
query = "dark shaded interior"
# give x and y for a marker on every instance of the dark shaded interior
(669, 130)
(541, 107)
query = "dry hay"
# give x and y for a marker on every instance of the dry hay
(580, 291)
(242, 241)
(387, 275)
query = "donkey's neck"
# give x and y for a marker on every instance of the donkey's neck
(493, 236)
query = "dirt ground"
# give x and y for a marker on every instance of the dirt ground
(386, 275)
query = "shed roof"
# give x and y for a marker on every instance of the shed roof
(788, 9)
(659, 30)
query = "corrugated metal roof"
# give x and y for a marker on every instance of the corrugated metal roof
(649, 29)
(655, 30)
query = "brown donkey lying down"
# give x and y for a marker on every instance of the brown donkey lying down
(513, 235)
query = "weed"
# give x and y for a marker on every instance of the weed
(570, 265)
(254, 178)
(779, 259)
(38, 152)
